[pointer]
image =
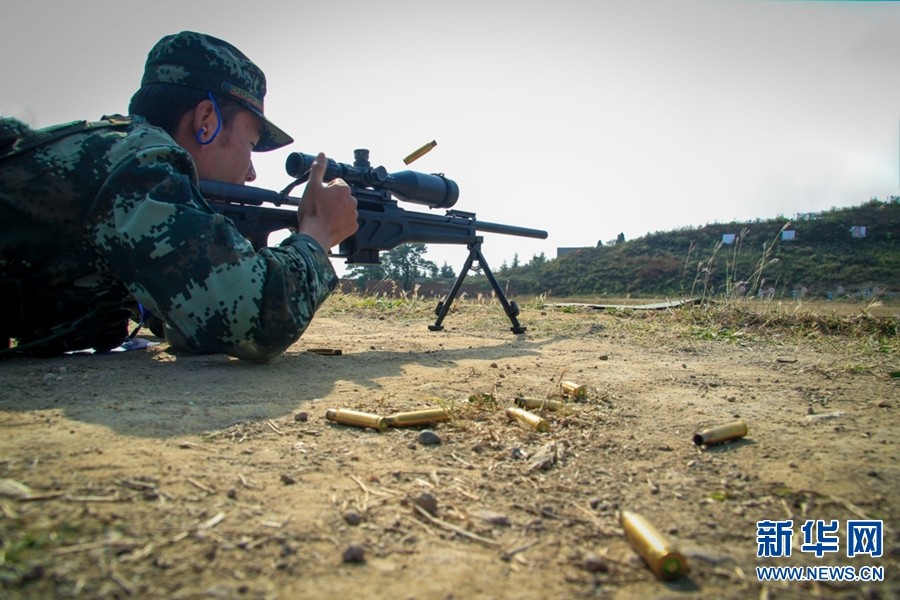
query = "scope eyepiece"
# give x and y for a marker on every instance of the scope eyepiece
(299, 165)
(434, 191)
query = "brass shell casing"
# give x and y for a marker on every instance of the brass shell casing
(723, 433)
(664, 560)
(528, 418)
(570, 388)
(418, 417)
(532, 403)
(419, 152)
(356, 418)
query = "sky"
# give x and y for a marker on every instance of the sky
(585, 118)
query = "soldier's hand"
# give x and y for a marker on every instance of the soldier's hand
(327, 211)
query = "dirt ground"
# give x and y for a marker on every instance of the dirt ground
(153, 475)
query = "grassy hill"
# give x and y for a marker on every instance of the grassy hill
(815, 255)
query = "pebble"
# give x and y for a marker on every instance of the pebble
(595, 564)
(427, 502)
(494, 518)
(351, 517)
(287, 479)
(824, 417)
(429, 438)
(355, 553)
(302, 417)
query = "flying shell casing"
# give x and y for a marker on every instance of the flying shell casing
(418, 417)
(570, 388)
(664, 560)
(356, 418)
(723, 433)
(420, 152)
(532, 403)
(528, 418)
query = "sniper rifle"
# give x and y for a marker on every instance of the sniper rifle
(383, 224)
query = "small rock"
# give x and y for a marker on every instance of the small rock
(287, 479)
(351, 517)
(493, 517)
(824, 417)
(595, 564)
(355, 554)
(302, 416)
(427, 502)
(231, 493)
(429, 438)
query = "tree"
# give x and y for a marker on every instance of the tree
(515, 261)
(361, 273)
(447, 271)
(404, 263)
(538, 259)
(620, 239)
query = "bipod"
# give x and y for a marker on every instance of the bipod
(510, 308)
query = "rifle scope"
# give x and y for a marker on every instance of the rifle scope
(434, 191)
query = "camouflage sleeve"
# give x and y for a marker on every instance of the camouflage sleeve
(192, 267)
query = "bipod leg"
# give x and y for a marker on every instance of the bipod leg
(443, 306)
(510, 308)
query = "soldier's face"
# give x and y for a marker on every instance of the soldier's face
(227, 158)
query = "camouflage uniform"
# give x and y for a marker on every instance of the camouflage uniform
(96, 215)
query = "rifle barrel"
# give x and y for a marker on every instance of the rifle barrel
(510, 230)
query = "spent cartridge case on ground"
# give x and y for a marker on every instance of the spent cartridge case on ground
(570, 388)
(427, 416)
(528, 418)
(345, 416)
(326, 351)
(664, 560)
(538, 403)
(723, 433)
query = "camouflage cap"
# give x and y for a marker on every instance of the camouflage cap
(206, 63)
